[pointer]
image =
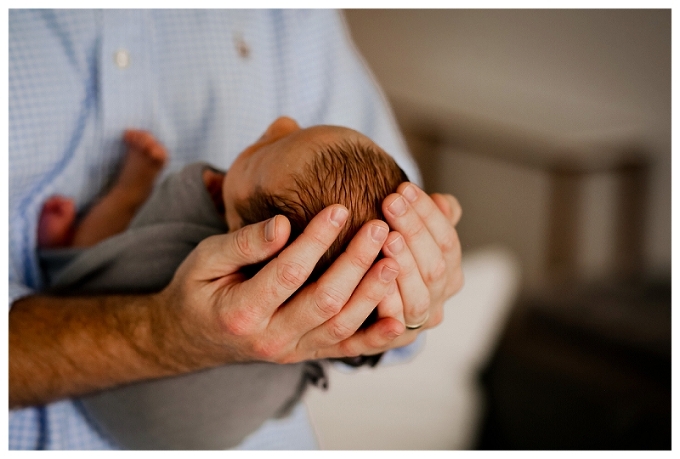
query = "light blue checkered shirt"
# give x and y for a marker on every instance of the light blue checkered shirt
(206, 83)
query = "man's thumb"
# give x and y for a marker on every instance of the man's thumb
(225, 254)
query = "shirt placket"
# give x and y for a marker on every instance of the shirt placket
(127, 84)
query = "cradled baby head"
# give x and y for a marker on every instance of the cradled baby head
(297, 172)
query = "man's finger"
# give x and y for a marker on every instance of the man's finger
(449, 206)
(387, 333)
(371, 291)
(442, 230)
(403, 218)
(286, 273)
(392, 305)
(224, 254)
(439, 225)
(327, 296)
(414, 293)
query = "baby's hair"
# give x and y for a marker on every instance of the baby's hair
(357, 175)
(353, 173)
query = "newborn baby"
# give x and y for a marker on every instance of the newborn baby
(133, 239)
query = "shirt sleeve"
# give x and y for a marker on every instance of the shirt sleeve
(17, 291)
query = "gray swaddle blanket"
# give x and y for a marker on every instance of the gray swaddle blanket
(211, 409)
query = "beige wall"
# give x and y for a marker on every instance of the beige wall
(568, 77)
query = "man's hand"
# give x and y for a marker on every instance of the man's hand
(265, 319)
(222, 317)
(426, 246)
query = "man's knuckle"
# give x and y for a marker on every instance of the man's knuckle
(348, 349)
(267, 349)
(329, 301)
(430, 212)
(318, 240)
(243, 244)
(339, 330)
(291, 275)
(441, 269)
(408, 269)
(449, 242)
(375, 293)
(362, 261)
(422, 306)
(414, 231)
(376, 341)
(237, 324)
(437, 273)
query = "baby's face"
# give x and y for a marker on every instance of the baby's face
(269, 163)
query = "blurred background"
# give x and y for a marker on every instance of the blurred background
(553, 129)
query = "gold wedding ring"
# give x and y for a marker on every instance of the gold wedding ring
(417, 326)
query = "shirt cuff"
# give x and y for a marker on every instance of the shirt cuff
(18, 291)
(402, 354)
(391, 357)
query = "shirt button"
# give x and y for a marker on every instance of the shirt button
(121, 58)
(241, 45)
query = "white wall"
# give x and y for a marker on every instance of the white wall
(567, 75)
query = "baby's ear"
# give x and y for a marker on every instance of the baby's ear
(212, 179)
(281, 127)
(213, 184)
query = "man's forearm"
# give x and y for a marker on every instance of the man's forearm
(61, 347)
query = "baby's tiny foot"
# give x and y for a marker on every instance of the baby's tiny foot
(145, 158)
(56, 223)
(147, 144)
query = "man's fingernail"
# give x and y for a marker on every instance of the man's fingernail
(396, 246)
(270, 230)
(388, 274)
(378, 233)
(398, 207)
(339, 216)
(393, 334)
(410, 193)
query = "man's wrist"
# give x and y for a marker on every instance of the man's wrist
(170, 345)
